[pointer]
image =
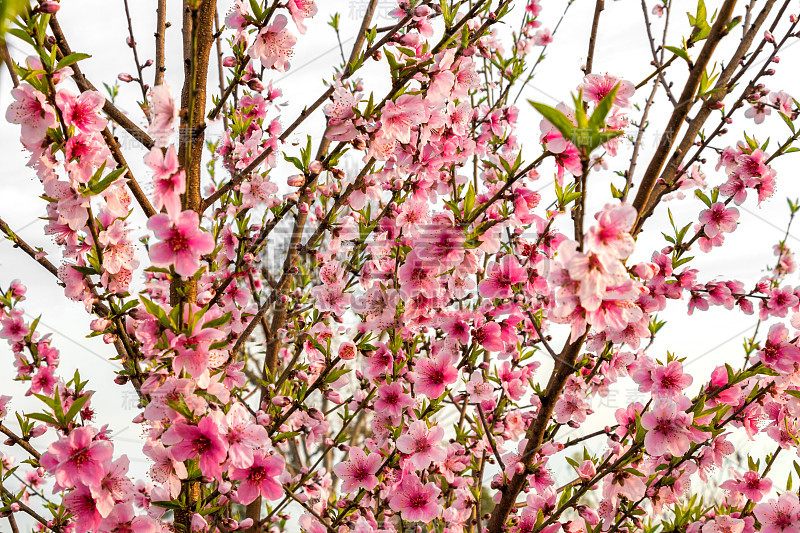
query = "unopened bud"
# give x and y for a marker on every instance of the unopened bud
(127, 78)
(229, 61)
(50, 7)
(255, 85)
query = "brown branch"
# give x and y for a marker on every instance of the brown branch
(142, 85)
(19, 441)
(598, 8)
(535, 434)
(682, 110)
(161, 31)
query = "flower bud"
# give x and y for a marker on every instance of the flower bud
(229, 61)
(127, 78)
(296, 181)
(246, 523)
(315, 167)
(255, 85)
(347, 351)
(38, 431)
(281, 401)
(50, 7)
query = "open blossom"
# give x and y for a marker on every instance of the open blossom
(182, 242)
(611, 233)
(392, 399)
(359, 471)
(399, 116)
(78, 458)
(778, 353)
(433, 376)
(669, 380)
(781, 515)
(202, 441)
(668, 429)
(724, 524)
(168, 181)
(273, 45)
(423, 444)
(751, 485)
(82, 111)
(31, 111)
(165, 113)
(501, 277)
(300, 10)
(596, 87)
(259, 479)
(415, 501)
(719, 219)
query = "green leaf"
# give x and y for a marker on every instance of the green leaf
(598, 119)
(76, 406)
(71, 60)
(680, 52)
(221, 321)
(156, 311)
(556, 118)
(9, 9)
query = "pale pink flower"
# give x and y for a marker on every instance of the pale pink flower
(82, 111)
(359, 471)
(31, 111)
(168, 181)
(669, 381)
(668, 429)
(273, 45)
(78, 458)
(165, 113)
(724, 524)
(259, 478)
(596, 87)
(751, 485)
(301, 10)
(415, 501)
(400, 116)
(781, 515)
(243, 435)
(612, 232)
(182, 242)
(719, 219)
(423, 444)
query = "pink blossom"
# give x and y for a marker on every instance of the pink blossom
(611, 234)
(393, 399)
(31, 111)
(423, 444)
(415, 501)
(724, 524)
(669, 381)
(501, 277)
(719, 219)
(78, 458)
(169, 182)
(668, 429)
(781, 515)
(400, 116)
(202, 441)
(300, 10)
(596, 87)
(259, 478)
(273, 45)
(432, 376)
(359, 471)
(165, 113)
(182, 242)
(751, 485)
(82, 111)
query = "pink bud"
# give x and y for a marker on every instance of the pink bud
(281, 401)
(229, 61)
(130, 42)
(768, 37)
(127, 78)
(246, 523)
(315, 167)
(38, 431)
(49, 6)
(99, 324)
(296, 181)
(15, 507)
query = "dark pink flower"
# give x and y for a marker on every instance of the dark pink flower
(259, 478)
(182, 242)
